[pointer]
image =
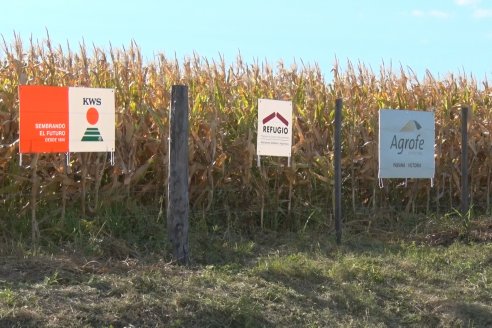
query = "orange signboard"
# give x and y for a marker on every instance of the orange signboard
(66, 119)
(43, 119)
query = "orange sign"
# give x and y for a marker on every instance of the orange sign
(62, 119)
(43, 119)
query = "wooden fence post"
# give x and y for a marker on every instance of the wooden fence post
(178, 198)
(338, 169)
(464, 162)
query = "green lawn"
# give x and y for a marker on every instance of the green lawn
(269, 280)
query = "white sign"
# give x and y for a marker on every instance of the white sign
(91, 119)
(274, 128)
(406, 144)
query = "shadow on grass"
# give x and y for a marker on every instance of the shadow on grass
(26, 271)
(215, 317)
(22, 319)
(188, 311)
(465, 314)
(476, 314)
(333, 300)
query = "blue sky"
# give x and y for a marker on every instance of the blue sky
(442, 36)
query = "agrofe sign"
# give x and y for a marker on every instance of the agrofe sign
(406, 144)
(65, 119)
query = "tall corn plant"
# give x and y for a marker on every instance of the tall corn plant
(226, 186)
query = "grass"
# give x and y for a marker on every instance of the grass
(264, 280)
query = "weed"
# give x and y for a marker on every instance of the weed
(7, 296)
(52, 280)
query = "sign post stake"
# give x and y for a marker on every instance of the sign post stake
(464, 161)
(338, 169)
(35, 234)
(178, 198)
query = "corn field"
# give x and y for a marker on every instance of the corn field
(226, 186)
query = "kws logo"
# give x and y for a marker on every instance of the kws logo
(91, 101)
(414, 144)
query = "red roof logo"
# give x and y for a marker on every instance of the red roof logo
(277, 115)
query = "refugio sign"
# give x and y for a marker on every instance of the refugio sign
(274, 128)
(406, 144)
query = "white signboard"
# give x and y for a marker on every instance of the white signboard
(274, 128)
(406, 144)
(91, 119)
